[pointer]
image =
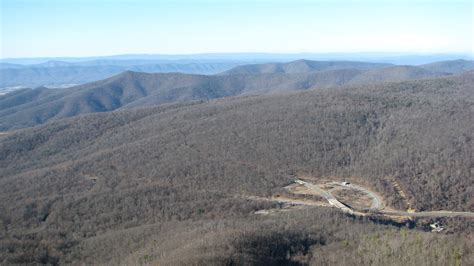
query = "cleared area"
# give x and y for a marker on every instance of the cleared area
(349, 198)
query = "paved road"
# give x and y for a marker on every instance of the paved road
(327, 195)
(376, 204)
(376, 201)
(430, 214)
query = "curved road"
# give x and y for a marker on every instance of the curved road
(327, 195)
(376, 201)
(376, 204)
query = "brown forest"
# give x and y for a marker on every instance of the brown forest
(170, 184)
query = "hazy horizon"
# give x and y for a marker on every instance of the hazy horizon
(329, 54)
(85, 28)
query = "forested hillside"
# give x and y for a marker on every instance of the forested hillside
(29, 107)
(115, 186)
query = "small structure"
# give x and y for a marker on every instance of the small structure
(299, 182)
(435, 227)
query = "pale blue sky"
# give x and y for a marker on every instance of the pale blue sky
(37, 28)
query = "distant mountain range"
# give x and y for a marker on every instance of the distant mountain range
(308, 66)
(54, 73)
(63, 71)
(302, 66)
(393, 58)
(29, 107)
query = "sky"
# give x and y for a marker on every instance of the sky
(53, 28)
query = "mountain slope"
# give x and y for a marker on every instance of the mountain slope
(452, 66)
(132, 89)
(176, 180)
(301, 66)
(395, 73)
(8, 65)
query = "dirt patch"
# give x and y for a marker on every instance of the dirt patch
(299, 190)
(296, 200)
(355, 199)
(362, 182)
